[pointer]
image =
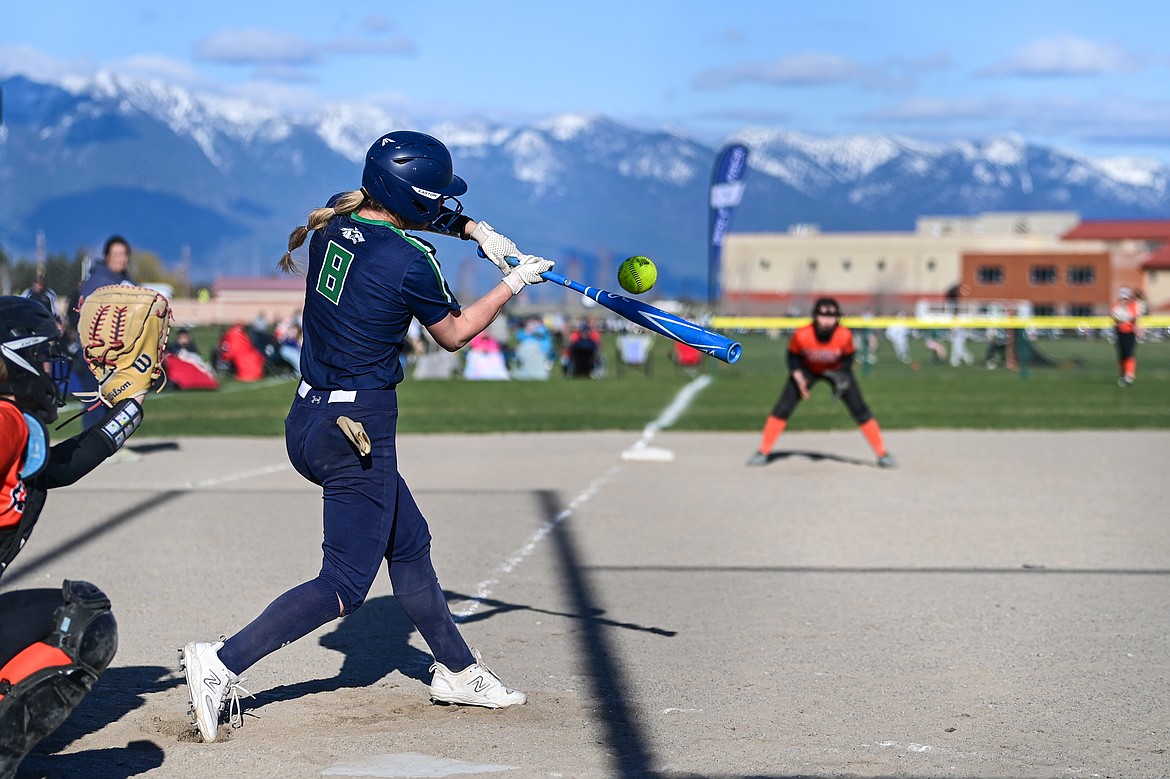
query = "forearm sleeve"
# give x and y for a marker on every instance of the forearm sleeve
(75, 457)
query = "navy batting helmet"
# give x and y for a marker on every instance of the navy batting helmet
(411, 174)
(37, 375)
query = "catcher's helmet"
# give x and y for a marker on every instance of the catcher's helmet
(37, 375)
(411, 174)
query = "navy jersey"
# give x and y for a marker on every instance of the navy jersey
(365, 281)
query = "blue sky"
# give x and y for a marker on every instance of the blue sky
(1085, 76)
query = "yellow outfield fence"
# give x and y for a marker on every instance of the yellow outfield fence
(937, 323)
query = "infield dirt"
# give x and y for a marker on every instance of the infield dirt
(995, 607)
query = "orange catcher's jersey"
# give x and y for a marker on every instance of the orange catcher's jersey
(13, 440)
(816, 357)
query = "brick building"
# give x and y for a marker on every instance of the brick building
(1156, 280)
(1061, 264)
(1137, 250)
(1055, 283)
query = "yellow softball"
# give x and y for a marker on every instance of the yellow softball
(637, 274)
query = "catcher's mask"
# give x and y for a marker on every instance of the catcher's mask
(38, 374)
(412, 174)
(825, 307)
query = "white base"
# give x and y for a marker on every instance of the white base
(654, 454)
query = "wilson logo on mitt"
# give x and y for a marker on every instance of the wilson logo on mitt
(124, 333)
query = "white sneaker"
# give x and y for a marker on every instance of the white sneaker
(210, 684)
(475, 685)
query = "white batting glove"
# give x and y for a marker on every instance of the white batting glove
(527, 272)
(495, 246)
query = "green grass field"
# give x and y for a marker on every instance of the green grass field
(924, 394)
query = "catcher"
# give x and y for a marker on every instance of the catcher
(822, 349)
(55, 642)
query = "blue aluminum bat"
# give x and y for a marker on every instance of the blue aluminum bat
(653, 319)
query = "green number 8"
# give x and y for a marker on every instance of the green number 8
(333, 271)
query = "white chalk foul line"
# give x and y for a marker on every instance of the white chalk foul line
(483, 590)
(676, 408)
(217, 480)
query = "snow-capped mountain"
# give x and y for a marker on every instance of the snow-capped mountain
(228, 179)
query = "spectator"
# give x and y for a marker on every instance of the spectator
(185, 367)
(182, 342)
(960, 354)
(238, 352)
(867, 341)
(290, 348)
(899, 335)
(535, 330)
(686, 357)
(534, 351)
(40, 293)
(938, 352)
(485, 359)
(996, 347)
(583, 352)
(113, 269)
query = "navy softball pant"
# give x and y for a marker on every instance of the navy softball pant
(369, 516)
(369, 513)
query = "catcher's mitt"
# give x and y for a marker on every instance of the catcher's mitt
(123, 332)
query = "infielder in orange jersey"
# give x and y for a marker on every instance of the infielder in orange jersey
(822, 349)
(1125, 323)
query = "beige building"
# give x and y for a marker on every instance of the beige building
(243, 299)
(778, 274)
(1156, 285)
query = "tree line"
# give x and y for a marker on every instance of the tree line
(64, 273)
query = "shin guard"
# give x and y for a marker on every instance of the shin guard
(41, 686)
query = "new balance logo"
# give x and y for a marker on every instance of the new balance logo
(212, 680)
(479, 684)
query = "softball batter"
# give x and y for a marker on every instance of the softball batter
(366, 279)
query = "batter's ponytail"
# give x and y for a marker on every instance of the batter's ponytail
(318, 218)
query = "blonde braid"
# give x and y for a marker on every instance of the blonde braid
(318, 218)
